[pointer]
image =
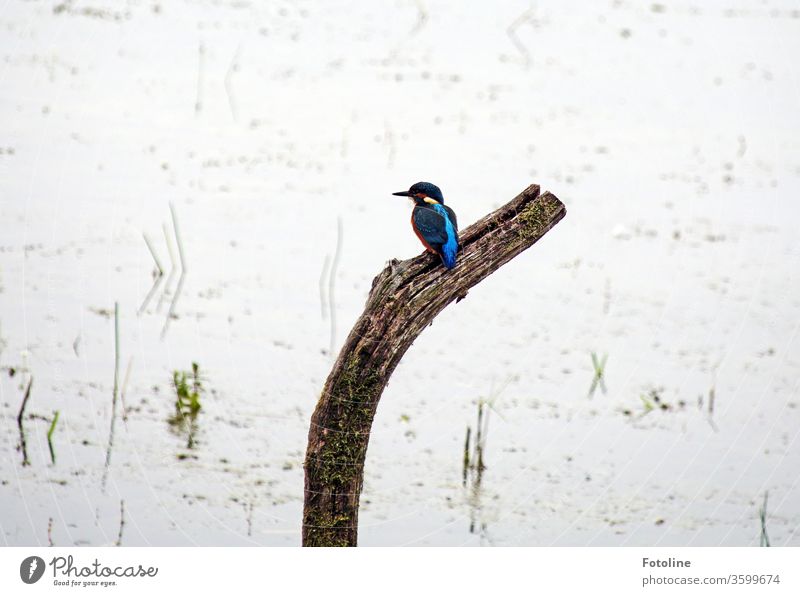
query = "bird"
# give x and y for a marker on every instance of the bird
(433, 222)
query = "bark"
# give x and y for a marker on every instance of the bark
(405, 298)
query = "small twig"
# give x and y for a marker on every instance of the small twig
(478, 428)
(158, 278)
(466, 458)
(484, 434)
(116, 352)
(24, 402)
(762, 514)
(181, 254)
(184, 270)
(170, 249)
(121, 522)
(50, 437)
(332, 282)
(114, 394)
(173, 266)
(323, 304)
(22, 442)
(480, 440)
(153, 254)
(150, 294)
(124, 389)
(171, 311)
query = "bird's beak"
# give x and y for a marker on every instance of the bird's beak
(403, 193)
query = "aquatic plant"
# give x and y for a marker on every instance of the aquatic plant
(188, 386)
(50, 436)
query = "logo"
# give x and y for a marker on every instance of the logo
(31, 570)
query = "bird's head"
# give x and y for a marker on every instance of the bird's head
(422, 193)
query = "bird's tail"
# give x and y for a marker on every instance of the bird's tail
(448, 255)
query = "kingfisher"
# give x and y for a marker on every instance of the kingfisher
(434, 223)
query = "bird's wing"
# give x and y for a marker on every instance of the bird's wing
(452, 215)
(430, 224)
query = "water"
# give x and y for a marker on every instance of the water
(668, 131)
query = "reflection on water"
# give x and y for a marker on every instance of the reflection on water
(474, 467)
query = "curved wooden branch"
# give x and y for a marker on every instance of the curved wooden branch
(405, 298)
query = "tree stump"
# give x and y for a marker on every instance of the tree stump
(405, 298)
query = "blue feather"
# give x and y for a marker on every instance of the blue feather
(450, 247)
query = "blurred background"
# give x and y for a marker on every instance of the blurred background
(634, 375)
